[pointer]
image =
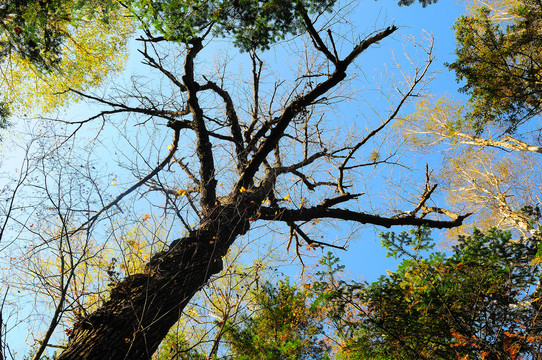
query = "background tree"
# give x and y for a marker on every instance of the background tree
(491, 175)
(480, 302)
(47, 47)
(35, 30)
(492, 164)
(228, 299)
(498, 57)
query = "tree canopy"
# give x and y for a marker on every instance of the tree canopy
(47, 47)
(498, 56)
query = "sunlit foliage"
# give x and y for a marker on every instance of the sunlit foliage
(48, 49)
(498, 56)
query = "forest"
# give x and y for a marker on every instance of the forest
(203, 180)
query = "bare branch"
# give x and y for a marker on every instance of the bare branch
(321, 212)
(153, 63)
(257, 65)
(329, 202)
(427, 192)
(300, 103)
(418, 78)
(312, 185)
(295, 229)
(123, 108)
(132, 188)
(316, 39)
(299, 165)
(233, 121)
(508, 142)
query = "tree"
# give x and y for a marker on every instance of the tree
(279, 146)
(492, 164)
(498, 55)
(438, 120)
(490, 174)
(482, 301)
(48, 46)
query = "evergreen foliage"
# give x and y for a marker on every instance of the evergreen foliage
(499, 59)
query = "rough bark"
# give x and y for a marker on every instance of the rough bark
(143, 307)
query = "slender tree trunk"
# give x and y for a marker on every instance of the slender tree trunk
(1, 343)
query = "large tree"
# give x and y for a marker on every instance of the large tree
(247, 153)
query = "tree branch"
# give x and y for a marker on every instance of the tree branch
(132, 188)
(295, 228)
(300, 103)
(315, 36)
(508, 143)
(321, 212)
(419, 76)
(233, 121)
(120, 108)
(203, 145)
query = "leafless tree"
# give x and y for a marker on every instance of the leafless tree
(239, 153)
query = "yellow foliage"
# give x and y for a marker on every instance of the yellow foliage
(137, 246)
(433, 121)
(93, 52)
(479, 180)
(476, 176)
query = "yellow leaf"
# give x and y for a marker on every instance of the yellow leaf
(92, 52)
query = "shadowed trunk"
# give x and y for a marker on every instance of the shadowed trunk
(143, 307)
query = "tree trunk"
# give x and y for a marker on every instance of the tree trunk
(143, 307)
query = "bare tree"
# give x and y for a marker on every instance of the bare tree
(257, 153)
